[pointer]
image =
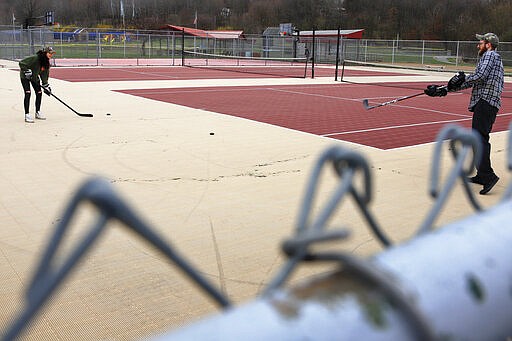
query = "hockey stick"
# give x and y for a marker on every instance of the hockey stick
(73, 110)
(368, 107)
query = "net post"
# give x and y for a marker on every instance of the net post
(342, 70)
(337, 53)
(313, 55)
(306, 53)
(295, 41)
(182, 47)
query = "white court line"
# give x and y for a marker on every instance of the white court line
(241, 88)
(196, 90)
(250, 87)
(161, 75)
(402, 126)
(395, 127)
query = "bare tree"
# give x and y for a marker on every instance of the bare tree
(410, 19)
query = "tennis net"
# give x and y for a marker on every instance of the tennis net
(295, 67)
(507, 91)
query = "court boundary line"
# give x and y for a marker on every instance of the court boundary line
(395, 127)
(404, 126)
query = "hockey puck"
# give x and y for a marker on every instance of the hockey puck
(108, 114)
(212, 133)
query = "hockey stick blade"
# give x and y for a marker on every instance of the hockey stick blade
(73, 110)
(85, 114)
(366, 105)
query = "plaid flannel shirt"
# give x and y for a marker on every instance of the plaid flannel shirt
(487, 80)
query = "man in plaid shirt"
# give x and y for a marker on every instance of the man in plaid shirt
(487, 84)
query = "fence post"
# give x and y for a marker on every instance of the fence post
(124, 43)
(30, 41)
(173, 47)
(150, 44)
(393, 53)
(182, 47)
(138, 53)
(14, 38)
(423, 54)
(366, 50)
(98, 45)
(457, 56)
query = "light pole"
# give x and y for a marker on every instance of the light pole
(339, 43)
(342, 11)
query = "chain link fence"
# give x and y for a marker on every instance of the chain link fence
(90, 44)
(440, 55)
(93, 46)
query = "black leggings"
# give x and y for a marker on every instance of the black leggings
(39, 94)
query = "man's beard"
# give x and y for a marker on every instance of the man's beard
(481, 52)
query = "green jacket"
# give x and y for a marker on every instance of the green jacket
(38, 71)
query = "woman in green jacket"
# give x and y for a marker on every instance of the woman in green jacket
(33, 69)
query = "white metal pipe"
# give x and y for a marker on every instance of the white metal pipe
(458, 277)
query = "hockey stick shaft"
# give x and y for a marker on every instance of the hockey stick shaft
(73, 110)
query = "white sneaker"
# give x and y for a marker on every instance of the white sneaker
(29, 118)
(40, 116)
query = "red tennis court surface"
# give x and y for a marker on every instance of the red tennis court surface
(102, 74)
(336, 111)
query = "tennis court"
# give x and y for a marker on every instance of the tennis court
(216, 162)
(328, 110)
(335, 111)
(102, 74)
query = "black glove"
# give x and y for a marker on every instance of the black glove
(456, 81)
(28, 74)
(435, 91)
(46, 88)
